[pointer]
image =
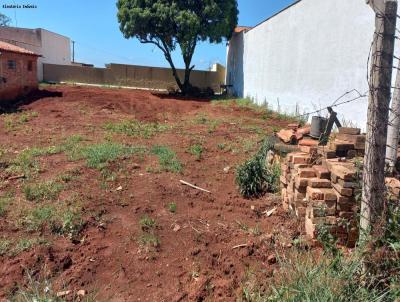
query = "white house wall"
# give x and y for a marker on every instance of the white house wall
(307, 55)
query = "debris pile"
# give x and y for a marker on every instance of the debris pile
(293, 133)
(320, 184)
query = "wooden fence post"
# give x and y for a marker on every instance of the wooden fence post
(373, 192)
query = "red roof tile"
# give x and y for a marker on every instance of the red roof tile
(13, 48)
(239, 29)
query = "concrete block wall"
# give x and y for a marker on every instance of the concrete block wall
(132, 76)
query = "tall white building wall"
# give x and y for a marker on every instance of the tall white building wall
(53, 48)
(307, 56)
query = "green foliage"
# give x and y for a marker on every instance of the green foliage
(4, 20)
(197, 151)
(148, 239)
(98, 156)
(167, 159)
(254, 177)
(136, 128)
(42, 191)
(4, 246)
(172, 207)
(13, 121)
(39, 217)
(168, 24)
(147, 223)
(5, 201)
(304, 276)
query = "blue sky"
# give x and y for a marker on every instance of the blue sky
(94, 27)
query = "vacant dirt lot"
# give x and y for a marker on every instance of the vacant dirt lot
(91, 199)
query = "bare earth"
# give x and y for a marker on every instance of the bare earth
(195, 259)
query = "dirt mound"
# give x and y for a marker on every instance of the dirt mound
(201, 249)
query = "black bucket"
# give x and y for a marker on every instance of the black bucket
(318, 126)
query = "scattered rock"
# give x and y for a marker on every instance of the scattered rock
(119, 188)
(81, 293)
(227, 169)
(63, 293)
(177, 227)
(252, 208)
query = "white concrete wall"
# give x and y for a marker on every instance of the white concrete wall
(54, 48)
(309, 54)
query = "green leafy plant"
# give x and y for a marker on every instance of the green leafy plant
(254, 177)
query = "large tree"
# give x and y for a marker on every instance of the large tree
(4, 20)
(171, 23)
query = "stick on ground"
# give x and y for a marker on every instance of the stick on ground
(193, 186)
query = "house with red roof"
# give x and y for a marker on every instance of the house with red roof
(18, 71)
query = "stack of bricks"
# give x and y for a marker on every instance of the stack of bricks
(347, 143)
(320, 185)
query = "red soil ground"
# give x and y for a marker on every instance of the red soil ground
(196, 262)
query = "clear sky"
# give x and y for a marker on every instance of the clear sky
(94, 27)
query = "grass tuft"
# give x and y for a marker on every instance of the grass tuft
(197, 150)
(42, 191)
(172, 207)
(98, 156)
(167, 159)
(136, 128)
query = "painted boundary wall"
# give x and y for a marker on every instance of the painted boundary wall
(308, 55)
(132, 76)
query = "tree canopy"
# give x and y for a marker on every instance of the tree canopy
(4, 20)
(171, 23)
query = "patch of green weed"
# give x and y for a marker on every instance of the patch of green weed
(136, 128)
(48, 190)
(167, 159)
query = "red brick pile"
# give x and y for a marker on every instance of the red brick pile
(320, 184)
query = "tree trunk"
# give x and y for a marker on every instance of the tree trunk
(394, 127)
(373, 192)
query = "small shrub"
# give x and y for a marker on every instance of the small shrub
(172, 207)
(42, 191)
(147, 223)
(254, 177)
(72, 223)
(149, 240)
(167, 159)
(197, 151)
